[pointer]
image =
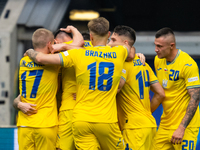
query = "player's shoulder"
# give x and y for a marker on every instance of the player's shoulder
(119, 47)
(69, 42)
(25, 58)
(186, 58)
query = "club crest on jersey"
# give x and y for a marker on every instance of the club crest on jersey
(164, 83)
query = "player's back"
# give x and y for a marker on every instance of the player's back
(98, 71)
(38, 85)
(133, 99)
(69, 83)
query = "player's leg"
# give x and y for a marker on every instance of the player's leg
(138, 139)
(84, 137)
(109, 136)
(65, 131)
(45, 138)
(161, 140)
(189, 139)
(25, 138)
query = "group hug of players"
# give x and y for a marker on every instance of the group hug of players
(105, 92)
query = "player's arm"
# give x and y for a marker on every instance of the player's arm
(41, 58)
(77, 36)
(191, 109)
(26, 108)
(63, 46)
(158, 96)
(77, 43)
(121, 84)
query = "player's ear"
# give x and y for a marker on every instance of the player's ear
(172, 45)
(91, 37)
(109, 34)
(49, 45)
(126, 42)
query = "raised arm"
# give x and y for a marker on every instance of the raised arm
(77, 43)
(191, 109)
(41, 58)
(63, 46)
(77, 36)
(26, 108)
(158, 96)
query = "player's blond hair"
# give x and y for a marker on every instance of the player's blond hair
(99, 26)
(41, 37)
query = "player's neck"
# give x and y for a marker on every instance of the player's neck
(172, 55)
(42, 50)
(96, 43)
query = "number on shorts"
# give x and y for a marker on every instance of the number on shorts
(187, 144)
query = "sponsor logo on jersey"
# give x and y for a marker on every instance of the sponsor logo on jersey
(193, 79)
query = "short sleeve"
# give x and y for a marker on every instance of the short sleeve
(191, 74)
(152, 77)
(67, 58)
(125, 71)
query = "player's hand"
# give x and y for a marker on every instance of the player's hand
(25, 54)
(74, 96)
(178, 135)
(68, 29)
(142, 58)
(57, 47)
(27, 108)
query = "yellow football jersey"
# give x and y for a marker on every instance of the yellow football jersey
(134, 110)
(69, 83)
(87, 44)
(98, 71)
(176, 77)
(38, 85)
(69, 42)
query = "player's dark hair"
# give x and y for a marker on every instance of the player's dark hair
(86, 35)
(164, 31)
(127, 32)
(59, 31)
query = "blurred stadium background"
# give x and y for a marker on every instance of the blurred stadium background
(20, 18)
